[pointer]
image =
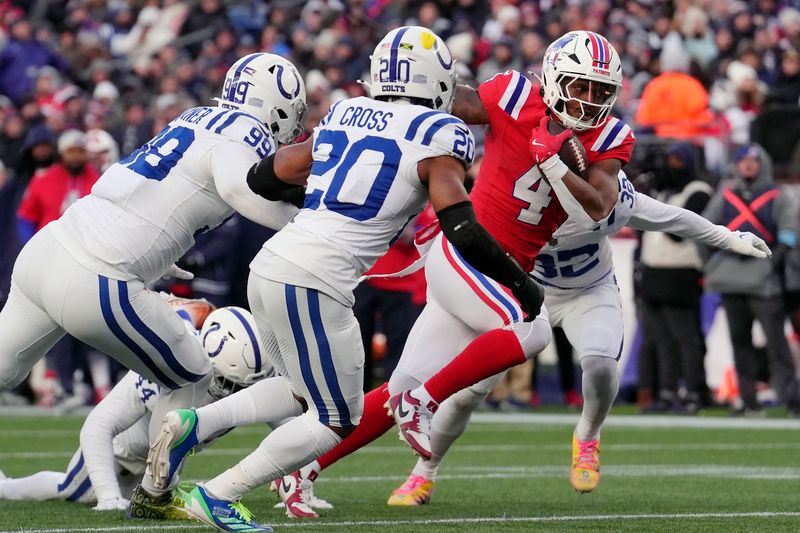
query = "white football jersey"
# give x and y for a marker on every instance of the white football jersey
(362, 191)
(579, 257)
(145, 211)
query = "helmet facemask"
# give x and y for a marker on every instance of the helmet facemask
(277, 116)
(594, 101)
(222, 387)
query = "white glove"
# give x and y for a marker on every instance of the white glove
(745, 243)
(176, 272)
(113, 504)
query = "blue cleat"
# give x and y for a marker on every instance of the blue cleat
(221, 514)
(176, 438)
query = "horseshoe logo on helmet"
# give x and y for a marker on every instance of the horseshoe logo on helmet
(286, 94)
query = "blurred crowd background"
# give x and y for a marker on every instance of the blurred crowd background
(711, 86)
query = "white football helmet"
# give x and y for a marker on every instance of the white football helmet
(268, 87)
(413, 62)
(230, 338)
(102, 148)
(581, 55)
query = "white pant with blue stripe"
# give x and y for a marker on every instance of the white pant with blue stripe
(52, 294)
(462, 304)
(72, 486)
(320, 347)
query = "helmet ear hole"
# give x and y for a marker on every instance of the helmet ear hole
(282, 114)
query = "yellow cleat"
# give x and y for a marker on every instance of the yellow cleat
(585, 472)
(415, 491)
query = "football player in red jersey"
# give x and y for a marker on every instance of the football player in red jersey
(523, 193)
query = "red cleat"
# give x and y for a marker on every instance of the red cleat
(414, 421)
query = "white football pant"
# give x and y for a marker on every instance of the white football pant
(52, 294)
(320, 347)
(462, 304)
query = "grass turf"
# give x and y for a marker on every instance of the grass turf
(498, 477)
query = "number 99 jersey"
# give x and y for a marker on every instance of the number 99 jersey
(145, 210)
(362, 191)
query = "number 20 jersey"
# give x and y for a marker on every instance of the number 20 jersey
(362, 191)
(145, 211)
(512, 200)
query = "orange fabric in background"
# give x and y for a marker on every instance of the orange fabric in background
(676, 104)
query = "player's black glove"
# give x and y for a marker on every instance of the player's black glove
(530, 296)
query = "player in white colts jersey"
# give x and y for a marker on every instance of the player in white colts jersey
(85, 273)
(582, 297)
(376, 162)
(113, 448)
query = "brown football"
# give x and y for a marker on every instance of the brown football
(572, 152)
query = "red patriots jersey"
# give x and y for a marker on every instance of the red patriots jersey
(511, 199)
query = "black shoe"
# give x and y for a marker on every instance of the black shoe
(146, 506)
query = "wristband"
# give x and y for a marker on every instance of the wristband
(553, 168)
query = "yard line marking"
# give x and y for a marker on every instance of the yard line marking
(478, 448)
(640, 421)
(622, 471)
(526, 421)
(435, 521)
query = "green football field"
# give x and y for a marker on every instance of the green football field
(508, 473)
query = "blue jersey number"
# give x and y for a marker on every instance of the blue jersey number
(628, 193)
(145, 392)
(258, 140)
(463, 146)
(343, 157)
(155, 159)
(564, 262)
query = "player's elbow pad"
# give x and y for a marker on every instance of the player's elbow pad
(263, 181)
(477, 246)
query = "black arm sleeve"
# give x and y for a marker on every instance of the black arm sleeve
(262, 180)
(478, 247)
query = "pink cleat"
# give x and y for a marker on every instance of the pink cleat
(417, 490)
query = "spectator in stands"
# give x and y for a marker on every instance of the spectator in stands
(674, 103)
(738, 97)
(20, 58)
(751, 288)
(48, 195)
(786, 89)
(502, 59)
(670, 289)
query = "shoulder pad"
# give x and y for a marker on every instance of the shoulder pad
(444, 134)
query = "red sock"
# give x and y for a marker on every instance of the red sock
(489, 354)
(374, 423)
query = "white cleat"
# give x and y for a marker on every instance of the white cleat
(295, 493)
(414, 421)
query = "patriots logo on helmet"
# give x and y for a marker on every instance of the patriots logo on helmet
(558, 46)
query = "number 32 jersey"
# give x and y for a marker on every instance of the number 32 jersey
(145, 211)
(362, 191)
(512, 200)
